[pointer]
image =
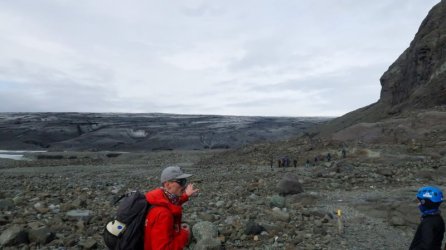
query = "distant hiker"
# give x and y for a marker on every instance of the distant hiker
(344, 153)
(271, 162)
(295, 163)
(279, 163)
(163, 228)
(307, 163)
(328, 157)
(429, 234)
(286, 161)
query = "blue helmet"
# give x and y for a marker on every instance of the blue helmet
(430, 193)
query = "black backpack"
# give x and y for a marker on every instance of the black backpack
(126, 231)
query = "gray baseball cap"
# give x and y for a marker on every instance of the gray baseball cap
(173, 173)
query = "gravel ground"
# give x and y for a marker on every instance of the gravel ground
(230, 196)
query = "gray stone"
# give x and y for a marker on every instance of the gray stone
(232, 220)
(6, 204)
(77, 214)
(35, 225)
(4, 220)
(253, 228)
(80, 202)
(302, 199)
(397, 221)
(253, 196)
(277, 201)
(41, 207)
(14, 235)
(203, 230)
(206, 216)
(41, 235)
(219, 203)
(385, 171)
(89, 244)
(289, 184)
(280, 215)
(208, 244)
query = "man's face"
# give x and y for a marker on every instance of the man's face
(176, 187)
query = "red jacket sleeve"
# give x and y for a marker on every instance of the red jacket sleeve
(183, 198)
(161, 233)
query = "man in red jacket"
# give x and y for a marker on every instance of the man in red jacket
(163, 228)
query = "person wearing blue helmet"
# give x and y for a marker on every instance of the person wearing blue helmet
(429, 234)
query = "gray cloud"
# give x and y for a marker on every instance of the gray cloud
(250, 57)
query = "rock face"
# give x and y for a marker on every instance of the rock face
(416, 80)
(86, 131)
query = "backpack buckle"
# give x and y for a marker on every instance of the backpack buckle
(115, 227)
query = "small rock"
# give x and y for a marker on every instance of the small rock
(54, 208)
(219, 203)
(4, 220)
(203, 230)
(277, 201)
(253, 197)
(208, 244)
(232, 220)
(6, 204)
(40, 207)
(385, 172)
(397, 221)
(206, 216)
(280, 215)
(88, 244)
(84, 215)
(253, 228)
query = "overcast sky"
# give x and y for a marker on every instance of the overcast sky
(229, 57)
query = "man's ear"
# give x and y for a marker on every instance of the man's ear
(166, 184)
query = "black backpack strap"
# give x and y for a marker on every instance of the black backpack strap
(122, 196)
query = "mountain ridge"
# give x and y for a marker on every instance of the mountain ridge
(415, 82)
(139, 132)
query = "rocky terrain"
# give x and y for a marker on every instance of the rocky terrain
(65, 203)
(143, 132)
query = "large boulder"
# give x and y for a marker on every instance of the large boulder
(42, 235)
(206, 235)
(14, 235)
(289, 184)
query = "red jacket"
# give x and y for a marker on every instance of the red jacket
(163, 223)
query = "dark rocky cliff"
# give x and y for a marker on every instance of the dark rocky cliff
(415, 81)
